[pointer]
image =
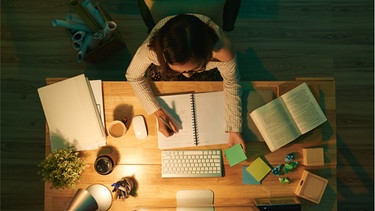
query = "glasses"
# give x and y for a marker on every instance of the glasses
(188, 72)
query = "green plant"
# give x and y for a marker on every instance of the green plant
(62, 168)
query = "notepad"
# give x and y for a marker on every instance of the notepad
(247, 178)
(199, 117)
(72, 114)
(258, 169)
(235, 155)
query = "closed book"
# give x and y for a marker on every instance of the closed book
(72, 114)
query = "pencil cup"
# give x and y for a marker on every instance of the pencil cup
(104, 165)
(116, 129)
(124, 188)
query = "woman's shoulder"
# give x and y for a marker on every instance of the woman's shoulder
(224, 50)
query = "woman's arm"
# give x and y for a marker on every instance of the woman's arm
(135, 74)
(227, 65)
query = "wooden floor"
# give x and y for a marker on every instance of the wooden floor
(275, 40)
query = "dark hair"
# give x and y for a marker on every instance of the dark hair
(182, 38)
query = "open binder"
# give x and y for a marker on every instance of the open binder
(199, 117)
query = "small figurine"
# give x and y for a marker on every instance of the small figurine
(289, 157)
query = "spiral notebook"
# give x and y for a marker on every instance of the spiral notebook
(199, 117)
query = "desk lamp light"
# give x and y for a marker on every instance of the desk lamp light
(96, 197)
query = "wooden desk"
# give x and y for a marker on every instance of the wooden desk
(142, 159)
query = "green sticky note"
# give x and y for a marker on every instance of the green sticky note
(248, 178)
(259, 169)
(235, 155)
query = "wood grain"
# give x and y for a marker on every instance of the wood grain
(142, 159)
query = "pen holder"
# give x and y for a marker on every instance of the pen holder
(124, 188)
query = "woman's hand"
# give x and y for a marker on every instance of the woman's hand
(235, 138)
(163, 128)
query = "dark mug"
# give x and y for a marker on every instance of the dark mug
(104, 165)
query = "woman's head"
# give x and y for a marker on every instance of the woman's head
(183, 44)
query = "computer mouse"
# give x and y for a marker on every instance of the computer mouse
(139, 127)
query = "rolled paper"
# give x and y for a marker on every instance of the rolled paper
(85, 15)
(70, 25)
(83, 50)
(93, 12)
(110, 27)
(289, 157)
(96, 38)
(78, 36)
(77, 45)
(102, 12)
(74, 17)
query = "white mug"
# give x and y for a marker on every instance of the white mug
(116, 129)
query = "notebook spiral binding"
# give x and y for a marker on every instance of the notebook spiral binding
(195, 132)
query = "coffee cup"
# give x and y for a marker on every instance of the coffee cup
(116, 129)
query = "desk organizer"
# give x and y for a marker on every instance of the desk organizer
(107, 47)
(313, 157)
(93, 32)
(311, 187)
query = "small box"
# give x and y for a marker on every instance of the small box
(313, 157)
(311, 187)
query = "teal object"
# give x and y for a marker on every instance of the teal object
(290, 166)
(247, 178)
(235, 155)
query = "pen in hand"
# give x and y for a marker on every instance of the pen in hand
(167, 124)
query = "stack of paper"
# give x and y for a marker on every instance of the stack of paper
(235, 155)
(72, 114)
(258, 169)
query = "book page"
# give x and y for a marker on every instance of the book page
(303, 107)
(209, 108)
(275, 124)
(179, 109)
(96, 86)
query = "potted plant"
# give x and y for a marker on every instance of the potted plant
(62, 168)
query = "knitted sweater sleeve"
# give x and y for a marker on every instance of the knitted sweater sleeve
(232, 93)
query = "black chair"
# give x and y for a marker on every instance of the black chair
(222, 12)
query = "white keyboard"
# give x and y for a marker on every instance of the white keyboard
(192, 163)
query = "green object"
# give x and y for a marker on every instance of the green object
(290, 166)
(62, 168)
(235, 155)
(258, 169)
(247, 178)
(284, 180)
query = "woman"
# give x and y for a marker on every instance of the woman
(184, 45)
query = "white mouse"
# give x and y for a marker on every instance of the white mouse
(139, 127)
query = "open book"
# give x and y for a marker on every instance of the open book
(287, 117)
(199, 118)
(72, 114)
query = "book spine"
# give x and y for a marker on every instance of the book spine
(194, 122)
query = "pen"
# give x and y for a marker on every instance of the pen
(166, 123)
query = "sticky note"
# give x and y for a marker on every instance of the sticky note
(235, 155)
(247, 178)
(258, 169)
